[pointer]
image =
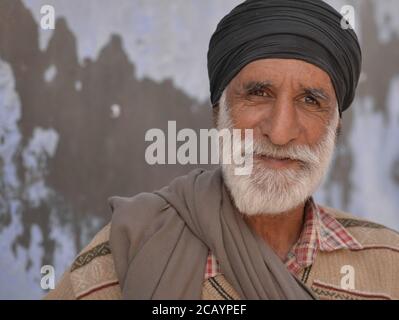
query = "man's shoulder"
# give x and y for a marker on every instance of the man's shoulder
(92, 273)
(365, 272)
(370, 234)
(98, 247)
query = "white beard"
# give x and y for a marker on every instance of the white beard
(275, 191)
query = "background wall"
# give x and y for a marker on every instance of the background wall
(75, 103)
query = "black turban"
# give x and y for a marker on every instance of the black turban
(308, 30)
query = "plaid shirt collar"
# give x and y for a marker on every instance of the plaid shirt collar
(321, 231)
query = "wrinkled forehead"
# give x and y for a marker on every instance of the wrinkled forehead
(280, 72)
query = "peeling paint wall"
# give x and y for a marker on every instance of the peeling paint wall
(76, 101)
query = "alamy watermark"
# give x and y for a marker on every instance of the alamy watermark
(348, 278)
(47, 21)
(213, 146)
(348, 17)
(47, 281)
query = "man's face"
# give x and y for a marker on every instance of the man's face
(288, 101)
(292, 108)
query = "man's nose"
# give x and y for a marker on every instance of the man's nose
(281, 124)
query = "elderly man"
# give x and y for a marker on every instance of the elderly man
(287, 70)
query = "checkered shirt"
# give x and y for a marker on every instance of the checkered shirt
(321, 231)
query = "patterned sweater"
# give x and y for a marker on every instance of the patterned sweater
(366, 269)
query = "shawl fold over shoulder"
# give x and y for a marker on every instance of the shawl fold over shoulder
(160, 243)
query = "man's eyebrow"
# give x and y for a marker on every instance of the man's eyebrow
(257, 85)
(317, 92)
(262, 85)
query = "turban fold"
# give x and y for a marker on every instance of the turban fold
(308, 30)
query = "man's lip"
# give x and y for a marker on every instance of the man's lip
(277, 162)
(266, 157)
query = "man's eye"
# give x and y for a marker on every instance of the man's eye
(259, 93)
(311, 100)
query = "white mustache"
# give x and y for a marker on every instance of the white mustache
(303, 153)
